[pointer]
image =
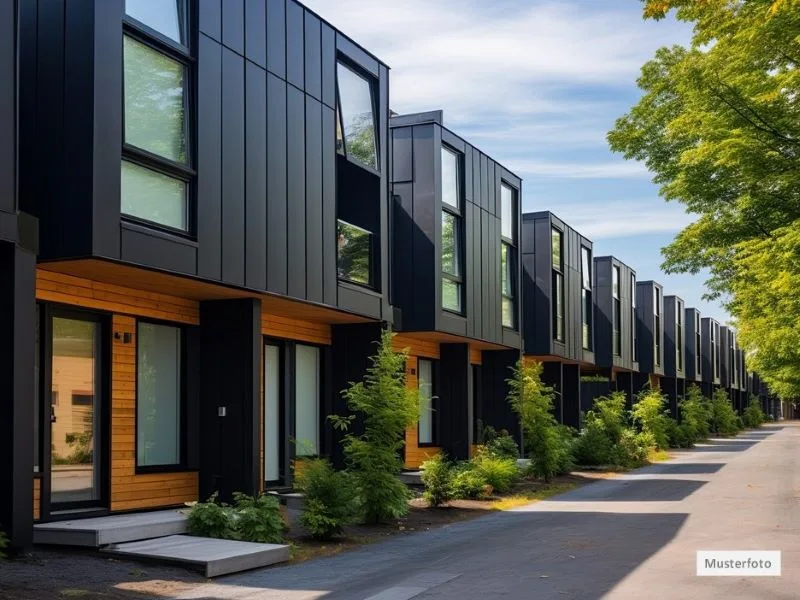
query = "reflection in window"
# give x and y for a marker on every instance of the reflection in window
(153, 196)
(507, 285)
(587, 307)
(450, 179)
(356, 111)
(557, 251)
(508, 255)
(307, 391)
(354, 252)
(507, 212)
(634, 346)
(425, 380)
(452, 247)
(617, 316)
(165, 16)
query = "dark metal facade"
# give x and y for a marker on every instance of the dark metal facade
(650, 327)
(693, 367)
(711, 348)
(604, 354)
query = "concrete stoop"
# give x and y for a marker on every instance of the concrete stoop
(412, 478)
(214, 557)
(113, 529)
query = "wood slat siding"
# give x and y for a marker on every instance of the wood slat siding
(475, 356)
(273, 325)
(416, 347)
(655, 381)
(415, 455)
(129, 490)
(76, 291)
(37, 499)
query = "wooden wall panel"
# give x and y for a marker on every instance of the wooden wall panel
(129, 490)
(414, 455)
(475, 356)
(416, 347)
(37, 499)
(295, 329)
(66, 289)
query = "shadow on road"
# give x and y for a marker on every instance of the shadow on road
(683, 469)
(632, 490)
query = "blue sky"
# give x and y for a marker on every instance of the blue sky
(537, 84)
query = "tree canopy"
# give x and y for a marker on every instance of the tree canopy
(718, 125)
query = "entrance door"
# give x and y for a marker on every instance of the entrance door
(75, 407)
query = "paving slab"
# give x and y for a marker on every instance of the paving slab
(113, 529)
(214, 557)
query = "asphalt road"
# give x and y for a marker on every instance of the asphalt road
(634, 536)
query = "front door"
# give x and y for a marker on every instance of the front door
(75, 406)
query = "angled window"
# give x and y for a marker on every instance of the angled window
(617, 316)
(679, 336)
(508, 255)
(634, 346)
(159, 393)
(355, 113)
(156, 165)
(425, 428)
(354, 253)
(557, 250)
(452, 245)
(587, 308)
(656, 326)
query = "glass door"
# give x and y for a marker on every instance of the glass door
(273, 415)
(75, 405)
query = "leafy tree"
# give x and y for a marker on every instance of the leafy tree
(387, 408)
(650, 414)
(330, 500)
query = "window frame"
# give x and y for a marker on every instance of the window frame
(280, 346)
(698, 341)
(558, 325)
(616, 301)
(184, 172)
(634, 324)
(587, 337)
(511, 244)
(371, 285)
(374, 91)
(679, 335)
(656, 326)
(458, 215)
(320, 399)
(434, 403)
(181, 465)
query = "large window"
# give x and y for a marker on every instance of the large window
(634, 345)
(714, 351)
(557, 249)
(452, 246)
(508, 255)
(354, 253)
(272, 413)
(679, 335)
(159, 402)
(426, 429)
(698, 358)
(587, 308)
(656, 326)
(617, 308)
(156, 164)
(355, 126)
(307, 393)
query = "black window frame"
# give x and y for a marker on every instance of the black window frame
(374, 92)
(616, 300)
(587, 312)
(434, 402)
(558, 325)
(372, 284)
(679, 342)
(698, 341)
(634, 346)
(182, 464)
(187, 173)
(656, 326)
(458, 215)
(510, 245)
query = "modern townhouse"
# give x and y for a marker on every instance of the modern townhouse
(212, 186)
(650, 334)
(710, 346)
(615, 341)
(693, 362)
(558, 307)
(455, 283)
(673, 384)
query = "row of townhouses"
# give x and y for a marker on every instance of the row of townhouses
(208, 214)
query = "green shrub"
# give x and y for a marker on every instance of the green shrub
(467, 482)
(680, 435)
(594, 379)
(532, 400)
(250, 519)
(374, 456)
(437, 475)
(331, 501)
(593, 446)
(723, 418)
(695, 413)
(566, 438)
(753, 415)
(500, 473)
(632, 448)
(650, 415)
(500, 443)
(610, 411)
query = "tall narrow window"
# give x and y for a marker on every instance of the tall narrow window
(272, 413)
(158, 395)
(714, 350)
(307, 392)
(617, 317)
(355, 128)
(354, 253)
(557, 250)
(425, 381)
(508, 255)
(156, 164)
(587, 308)
(698, 346)
(679, 337)
(452, 247)
(656, 326)
(634, 345)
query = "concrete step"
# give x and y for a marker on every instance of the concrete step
(413, 478)
(213, 557)
(113, 529)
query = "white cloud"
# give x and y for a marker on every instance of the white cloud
(530, 169)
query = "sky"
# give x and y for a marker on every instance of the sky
(537, 84)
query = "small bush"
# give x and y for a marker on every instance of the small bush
(210, 519)
(330, 498)
(500, 473)
(633, 448)
(467, 482)
(610, 411)
(753, 415)
(649, 414)
(723, 418)
(250, 519)
(593, 446)
(437, 475)
(501, 443)
(680, 436)
(695, 412)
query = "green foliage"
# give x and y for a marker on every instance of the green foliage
(467, 482)
(3, 544)
(695, 411)
(500, 443)
(593, 446)
(680, 435)
(387, 409)
(632, 449)
(331, 501)
(723, 418)
(437, 475)
(532, 400)
(610, 411)
(594, 379)
(249, 519)
(500, 473)
(650, 415)
(753, 415)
